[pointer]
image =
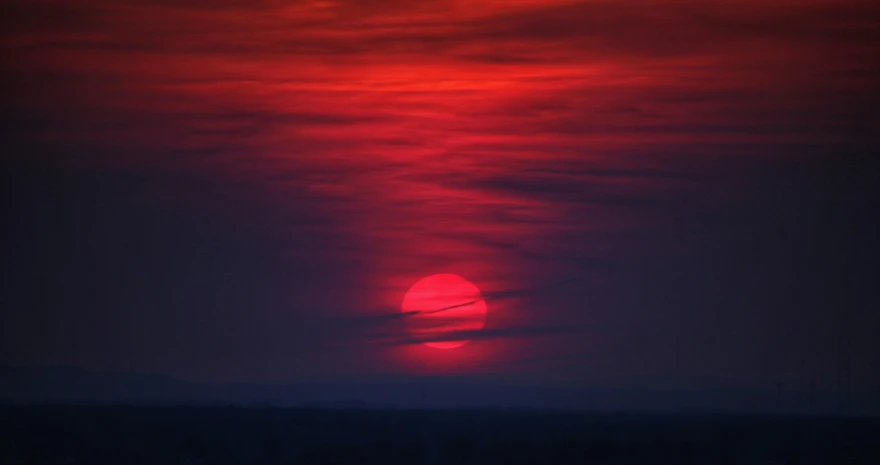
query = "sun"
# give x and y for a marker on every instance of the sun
(442, 305)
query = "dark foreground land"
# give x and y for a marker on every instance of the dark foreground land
(237, 435)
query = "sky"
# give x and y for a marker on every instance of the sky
(647, 193)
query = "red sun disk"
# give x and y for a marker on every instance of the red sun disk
(442, 305)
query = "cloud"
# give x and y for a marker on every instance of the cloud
(476, 128)
(477, 335)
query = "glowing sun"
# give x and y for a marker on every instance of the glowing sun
(441, 305)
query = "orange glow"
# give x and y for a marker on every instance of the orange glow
(442, 305)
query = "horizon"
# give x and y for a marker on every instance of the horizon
(71, 386)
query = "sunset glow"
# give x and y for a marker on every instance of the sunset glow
(259, 183)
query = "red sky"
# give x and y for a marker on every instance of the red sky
(521, 144)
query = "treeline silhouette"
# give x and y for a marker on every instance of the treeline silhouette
(267, 435)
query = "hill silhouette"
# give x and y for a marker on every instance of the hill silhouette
(67, 385)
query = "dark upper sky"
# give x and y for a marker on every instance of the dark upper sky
(651, 193)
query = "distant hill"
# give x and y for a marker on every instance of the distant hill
(80, 386)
